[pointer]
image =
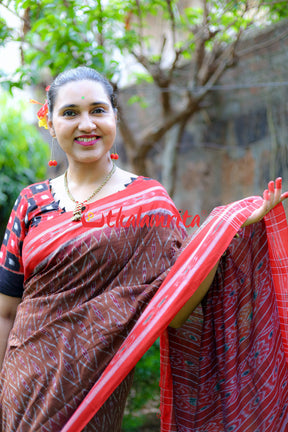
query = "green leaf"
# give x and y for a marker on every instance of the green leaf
(143, 77)
(194, 15)
(134, 99)
(23, 155)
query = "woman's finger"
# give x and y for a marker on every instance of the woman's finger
(266, 197)
(271, 197)
(278, 190)
(271, 192)
(271, 186)
(278, 183)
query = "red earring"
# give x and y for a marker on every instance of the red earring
(114, 156)
(52, 161)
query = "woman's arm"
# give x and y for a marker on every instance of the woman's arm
(194, 301)
(271, 197)
(8, 307)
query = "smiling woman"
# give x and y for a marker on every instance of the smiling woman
(82, 116)
(85, 128)
(80, 290)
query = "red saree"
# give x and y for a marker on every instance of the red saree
(84, 290)
(83, 318)
(227, 371)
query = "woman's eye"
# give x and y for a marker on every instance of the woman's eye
(69, 113)
(99, 110)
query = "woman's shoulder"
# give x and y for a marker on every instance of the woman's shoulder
(124, 177)
(35, 189)
(150, 190)
(32, 195)
(127, 177)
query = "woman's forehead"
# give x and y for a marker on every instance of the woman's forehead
(84, 90)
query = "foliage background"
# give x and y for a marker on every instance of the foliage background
(144, 396)
(23, 155)
(101, 34)
(158, 37)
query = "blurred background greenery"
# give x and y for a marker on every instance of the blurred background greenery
(143, 402)
(157, 39)
(23, 155)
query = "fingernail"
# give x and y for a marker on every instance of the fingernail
(278, 183)
(266, 195)
(271, 186)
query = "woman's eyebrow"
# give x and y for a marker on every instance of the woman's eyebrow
(92, 104)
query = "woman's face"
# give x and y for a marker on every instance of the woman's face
(83, 121)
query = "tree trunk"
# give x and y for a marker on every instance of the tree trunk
(170, 159)
(170, 156)
(138, 165)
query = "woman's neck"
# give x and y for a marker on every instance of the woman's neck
(88, 173)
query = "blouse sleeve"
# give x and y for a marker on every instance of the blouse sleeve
(11, 266)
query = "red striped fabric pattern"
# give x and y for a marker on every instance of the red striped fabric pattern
(193, 264)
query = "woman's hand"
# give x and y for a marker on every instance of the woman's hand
(272, 196)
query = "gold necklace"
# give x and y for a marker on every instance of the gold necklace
(80, 205)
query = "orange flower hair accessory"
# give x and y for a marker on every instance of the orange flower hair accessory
(42, 113)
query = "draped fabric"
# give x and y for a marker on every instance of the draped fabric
(226, 369)
(84, 289)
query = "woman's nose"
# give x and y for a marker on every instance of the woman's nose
(86, 122)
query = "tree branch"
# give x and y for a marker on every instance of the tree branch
(140, 19)
(164, 40)
(264, 44)
(271, 3)
(148, 140)
(67, 6)
(170, 159)
(15, 13)
(226, 59)
(172, 20)
(100, 24)
(226, 62)
(177, 57)
(151, 67)
(205, 13)
(126, 132)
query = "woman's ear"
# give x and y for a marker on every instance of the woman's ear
(50, 127)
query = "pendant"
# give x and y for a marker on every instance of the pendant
(77, 213)
(76, 216)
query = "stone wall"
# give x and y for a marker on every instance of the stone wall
(239, 140)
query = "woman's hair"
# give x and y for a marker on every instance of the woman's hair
(80, 73)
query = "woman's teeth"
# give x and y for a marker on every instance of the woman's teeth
(86, 139)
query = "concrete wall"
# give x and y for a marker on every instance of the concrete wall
(239, 140)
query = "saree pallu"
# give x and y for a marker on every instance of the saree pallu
(85, 288)
(226, 369)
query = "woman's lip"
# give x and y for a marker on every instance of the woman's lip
(87, 143)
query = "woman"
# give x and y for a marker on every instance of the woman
(70, 292)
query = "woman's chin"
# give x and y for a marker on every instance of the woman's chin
(91, 159)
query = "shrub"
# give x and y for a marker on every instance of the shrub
(145, 393)
(23, 154)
